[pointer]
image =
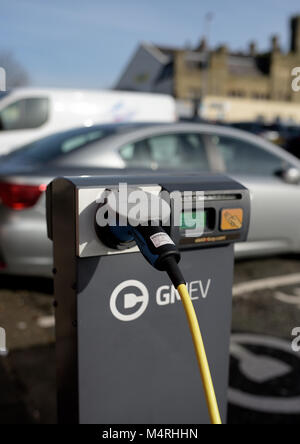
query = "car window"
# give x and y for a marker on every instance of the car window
(175, 151)
(24, 114)
(242, 157)
(57, 146)
(73, 143)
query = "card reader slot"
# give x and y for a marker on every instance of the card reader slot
(221, 197)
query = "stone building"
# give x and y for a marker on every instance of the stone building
(192, 73)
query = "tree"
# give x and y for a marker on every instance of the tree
(16, 75)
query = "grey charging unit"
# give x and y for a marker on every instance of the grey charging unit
(124, 350)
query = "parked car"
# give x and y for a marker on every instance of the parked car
(29, 114)
(271, 174)
(277, 133)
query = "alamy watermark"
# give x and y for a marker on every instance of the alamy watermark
(296, 80)
(296, 340)
(126, 205)
(3, 349)
(2, 79)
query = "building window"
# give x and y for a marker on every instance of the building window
(237, 93)
(260, 96)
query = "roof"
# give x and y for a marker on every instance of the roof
(168, 50)
(243, 65)
(156, 52)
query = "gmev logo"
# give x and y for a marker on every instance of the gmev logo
(2, 79)
(296, 341)
(3, 350)
(296, 81)
(134, 294)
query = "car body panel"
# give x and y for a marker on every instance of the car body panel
(275, 216)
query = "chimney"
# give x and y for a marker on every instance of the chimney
(202, 47)
(295, 34)
(223, 49)
(253, 49)
(275, 43)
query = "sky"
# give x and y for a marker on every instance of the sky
(87, 43)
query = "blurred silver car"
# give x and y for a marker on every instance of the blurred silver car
(271, 174)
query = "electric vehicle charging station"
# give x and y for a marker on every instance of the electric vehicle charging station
(124, 351)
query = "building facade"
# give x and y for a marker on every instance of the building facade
(194, 73)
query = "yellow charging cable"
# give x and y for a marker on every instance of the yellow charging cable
(201, 355)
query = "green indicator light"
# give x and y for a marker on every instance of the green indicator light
(193, 220)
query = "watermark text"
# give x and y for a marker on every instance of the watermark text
(2, 79)
(296, 80)
(296, 340)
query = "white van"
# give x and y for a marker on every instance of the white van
(30, 113)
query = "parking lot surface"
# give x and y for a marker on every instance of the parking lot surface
(264, 374)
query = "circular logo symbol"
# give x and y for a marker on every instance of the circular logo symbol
(130, 304)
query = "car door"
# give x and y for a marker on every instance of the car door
(176, 151)
(275, 209)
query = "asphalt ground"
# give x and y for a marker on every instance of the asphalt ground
(264, 371)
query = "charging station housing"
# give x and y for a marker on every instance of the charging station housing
(124, 351)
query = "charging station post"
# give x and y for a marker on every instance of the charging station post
(124, 353)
